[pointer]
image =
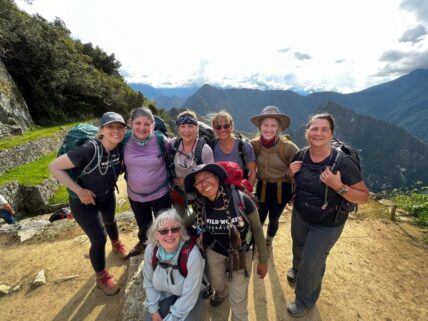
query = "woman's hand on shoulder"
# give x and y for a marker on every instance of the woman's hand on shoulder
(294, 168)
(330, 179)
(262, 269)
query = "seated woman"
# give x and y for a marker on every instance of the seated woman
(171, 296)
(225, 236)
(228, 147)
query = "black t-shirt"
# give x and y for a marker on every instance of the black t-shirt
(310, 189)
(216, 222)
(101, 168)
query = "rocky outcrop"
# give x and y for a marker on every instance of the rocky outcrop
(14, 113)
(30, 199)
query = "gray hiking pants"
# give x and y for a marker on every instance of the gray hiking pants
(311, 246)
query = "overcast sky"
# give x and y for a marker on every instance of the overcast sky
(311, 45)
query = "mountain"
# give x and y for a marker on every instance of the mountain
(403, 102)
(390, 156)
(165, 97)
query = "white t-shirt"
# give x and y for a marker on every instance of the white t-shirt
(2, 200)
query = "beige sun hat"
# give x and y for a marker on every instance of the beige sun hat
(272, 111)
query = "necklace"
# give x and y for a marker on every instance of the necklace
(141, 142)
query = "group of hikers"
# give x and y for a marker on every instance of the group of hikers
(199, 224)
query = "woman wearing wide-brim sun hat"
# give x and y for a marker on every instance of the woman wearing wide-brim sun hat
(274, 153)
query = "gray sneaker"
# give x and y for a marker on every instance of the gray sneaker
(292, 275)
(296, 310)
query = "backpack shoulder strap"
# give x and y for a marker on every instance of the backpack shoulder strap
(183, 256)
(238, 203)
(256, 146)
(90, 167)
(241, 152)
(198, 150)
(154, 257)
(160, 140)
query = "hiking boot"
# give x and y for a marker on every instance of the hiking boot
(119, 248)
(292, 275)
(216, 300)
(296, 310)
(106, 283)
(138, 249)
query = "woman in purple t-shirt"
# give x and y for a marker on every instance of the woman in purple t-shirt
(146, 172)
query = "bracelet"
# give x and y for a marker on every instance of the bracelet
(342, 190)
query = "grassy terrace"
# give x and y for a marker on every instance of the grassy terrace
(10, 142)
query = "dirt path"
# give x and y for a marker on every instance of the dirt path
(375, 272)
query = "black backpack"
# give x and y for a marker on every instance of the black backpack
(340, 148)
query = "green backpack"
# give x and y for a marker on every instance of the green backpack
(76, 136)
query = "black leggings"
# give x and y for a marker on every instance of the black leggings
(271, 205)
(143, 213)
(95, 221)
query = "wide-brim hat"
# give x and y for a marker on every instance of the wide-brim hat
(216, 169)
(272, 111)
(111, 117)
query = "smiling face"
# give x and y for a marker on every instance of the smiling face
(207, 184)
(142, 127)
(113, 133)
(223, 129)
(188, 132)
(169, 235)
(319, 133)
(269, 128)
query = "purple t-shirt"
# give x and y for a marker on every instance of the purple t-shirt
(146, 170)
(233, 156)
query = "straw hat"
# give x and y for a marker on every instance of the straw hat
(272, 111)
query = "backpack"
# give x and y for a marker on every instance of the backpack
(61, 214)
(160, 140)
(77, 136)
(283, 141)
(160, 126)
(339, 149)
(181, 265)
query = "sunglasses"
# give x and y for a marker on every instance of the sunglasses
(173, 230)
(224, 126)
(206, 179)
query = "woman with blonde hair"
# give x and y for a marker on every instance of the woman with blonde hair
(274, 153)
(230, 147)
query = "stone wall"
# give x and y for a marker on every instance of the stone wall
(14, 113)
(30, 199)
(30, 151)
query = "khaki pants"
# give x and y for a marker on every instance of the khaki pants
(238, 286)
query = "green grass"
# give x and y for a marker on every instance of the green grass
(13, 141)
(60, 196)
(29, 174)
(416, 204)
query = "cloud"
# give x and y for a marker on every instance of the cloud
(339, 61)
(393, 55)
(404, 63)
(414, 35)
(283, 50)
(301, 56)
(419, 7)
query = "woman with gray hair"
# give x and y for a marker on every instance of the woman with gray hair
(146, 172)
(171, 293)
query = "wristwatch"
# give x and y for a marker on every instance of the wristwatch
(342, 190)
